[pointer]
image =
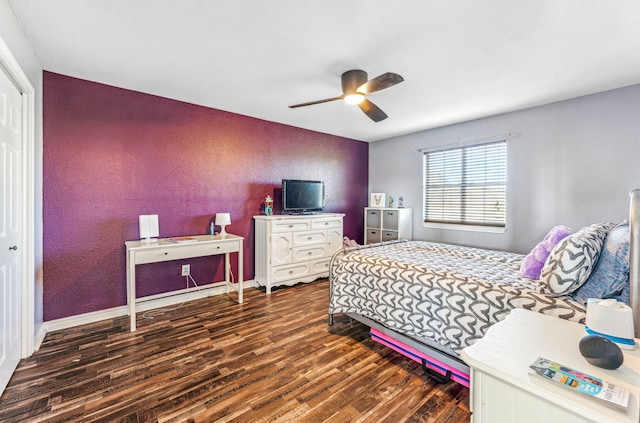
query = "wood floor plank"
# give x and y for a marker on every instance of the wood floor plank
(270, 359)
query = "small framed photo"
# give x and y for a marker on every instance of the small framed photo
(377, 199)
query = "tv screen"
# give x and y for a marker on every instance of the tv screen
(302, 196)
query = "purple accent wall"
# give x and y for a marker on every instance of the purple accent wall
(112, 154)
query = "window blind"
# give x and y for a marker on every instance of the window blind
(466, 185)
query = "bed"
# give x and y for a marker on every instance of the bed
(430, 300)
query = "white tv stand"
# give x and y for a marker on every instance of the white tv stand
(295, 248)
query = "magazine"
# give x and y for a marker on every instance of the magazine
(581, 382)
(182, 239)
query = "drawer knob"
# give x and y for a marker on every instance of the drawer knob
(165, 253)
(291, 272)
(309, 238)
(291, 226)
(309, 253)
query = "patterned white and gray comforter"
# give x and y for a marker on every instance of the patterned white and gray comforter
(444, 294)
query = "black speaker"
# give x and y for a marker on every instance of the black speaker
(601, 352)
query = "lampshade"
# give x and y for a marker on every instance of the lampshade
(222, 220)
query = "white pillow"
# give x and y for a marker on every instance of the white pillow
(572, 260)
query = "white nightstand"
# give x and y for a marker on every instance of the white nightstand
(503, 390)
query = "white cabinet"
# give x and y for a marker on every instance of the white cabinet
(386, 224)
(291, 249)
(503, 390)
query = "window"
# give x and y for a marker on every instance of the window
(466, 185)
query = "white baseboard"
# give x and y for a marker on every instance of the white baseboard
(39, 337)
(142, 304)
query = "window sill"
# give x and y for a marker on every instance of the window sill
(468, 228)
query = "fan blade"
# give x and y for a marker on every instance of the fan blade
(373, 111)
(381, 82)
(311, 103)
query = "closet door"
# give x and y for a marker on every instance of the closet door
(10, 230)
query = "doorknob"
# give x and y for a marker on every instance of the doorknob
(14, 248)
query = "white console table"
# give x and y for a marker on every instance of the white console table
(503, 390)
(142, 252)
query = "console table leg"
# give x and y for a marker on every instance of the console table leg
(131, 292)
(240, 274)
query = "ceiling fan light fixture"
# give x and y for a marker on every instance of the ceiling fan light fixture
(355, 86)
(355, 98)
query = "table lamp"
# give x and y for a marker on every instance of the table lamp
(222, 220)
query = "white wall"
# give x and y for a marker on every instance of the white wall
(574, 164)
(20, 48)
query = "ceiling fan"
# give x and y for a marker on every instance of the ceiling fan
(355, 87)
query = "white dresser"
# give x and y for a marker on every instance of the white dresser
(503, 390)
(291, 249)
(386, 224)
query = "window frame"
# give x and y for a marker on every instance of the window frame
(461, 224)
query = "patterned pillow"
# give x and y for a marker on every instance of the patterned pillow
(572, 260)
(611, 273)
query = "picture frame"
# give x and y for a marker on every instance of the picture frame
(377, 199)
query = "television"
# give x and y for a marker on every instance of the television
(302, 197)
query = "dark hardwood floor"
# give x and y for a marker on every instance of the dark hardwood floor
(273, 358)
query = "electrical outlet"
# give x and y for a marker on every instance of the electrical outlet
(186, 269)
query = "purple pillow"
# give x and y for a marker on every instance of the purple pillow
(533, 262)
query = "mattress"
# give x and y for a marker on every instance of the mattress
(443, 295)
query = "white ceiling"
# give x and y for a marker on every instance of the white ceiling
(461, 59)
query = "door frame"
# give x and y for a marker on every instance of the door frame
(10, 66)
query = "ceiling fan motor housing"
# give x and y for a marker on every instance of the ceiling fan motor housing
(352, 80)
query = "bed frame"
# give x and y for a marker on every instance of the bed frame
(433, 358)
(634, 259)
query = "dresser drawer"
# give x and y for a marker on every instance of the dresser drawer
(290, 225)
(185, 251)
(327, 223)
(293, 271)
(320, 267)
(309, 238)
(309, 253)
